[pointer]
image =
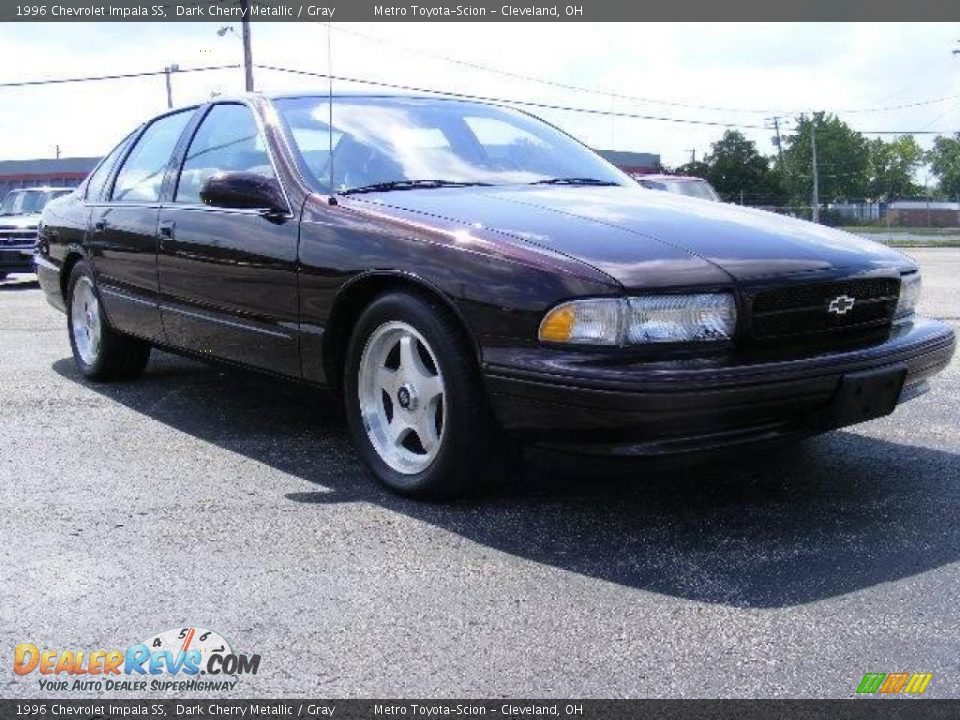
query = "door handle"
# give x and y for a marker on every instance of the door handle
(166, 229)
(100, 225)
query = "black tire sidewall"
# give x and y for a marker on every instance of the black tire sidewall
(450, 471)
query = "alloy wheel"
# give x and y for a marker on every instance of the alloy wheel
(85, 320)
(402, 397)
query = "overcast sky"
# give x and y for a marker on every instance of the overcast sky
(734, 73)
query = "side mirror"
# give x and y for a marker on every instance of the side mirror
(243, 191)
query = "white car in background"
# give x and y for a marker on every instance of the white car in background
(679, 185)
(19, 221)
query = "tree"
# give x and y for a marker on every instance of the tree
(696, 168)
(891, 168)
(736, 169)
(843, 157)
(944, 159)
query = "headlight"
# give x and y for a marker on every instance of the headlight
(642, 320)
(909, 294)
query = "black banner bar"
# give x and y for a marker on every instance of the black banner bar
(472, 11)
(856, 709)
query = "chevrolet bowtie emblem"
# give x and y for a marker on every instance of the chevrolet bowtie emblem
(841, 305)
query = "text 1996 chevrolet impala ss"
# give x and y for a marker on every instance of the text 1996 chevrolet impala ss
(459, 270)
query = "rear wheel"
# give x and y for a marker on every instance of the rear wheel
(101, 353)
(414, 398)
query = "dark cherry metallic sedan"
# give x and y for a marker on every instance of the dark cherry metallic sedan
(458, 270)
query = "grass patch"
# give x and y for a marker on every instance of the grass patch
(883, 230)
(953, 242)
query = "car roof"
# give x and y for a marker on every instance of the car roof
(42, 188)
(322, 93)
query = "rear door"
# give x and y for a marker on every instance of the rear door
(122, 236)
(228, 277)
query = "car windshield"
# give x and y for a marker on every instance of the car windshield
(414, 143)
(692, 188)
(28, 202)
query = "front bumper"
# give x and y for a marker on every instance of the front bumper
(17, 259)
(602, 405)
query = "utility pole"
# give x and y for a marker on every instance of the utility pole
(58, 152)
(613, 114)
(247, 51)
(816, 173)
(777, 140)
(168, 71)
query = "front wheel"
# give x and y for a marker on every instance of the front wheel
(100, 352)
(414, 399)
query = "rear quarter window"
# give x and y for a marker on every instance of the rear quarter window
(141, 175)
(97, 181)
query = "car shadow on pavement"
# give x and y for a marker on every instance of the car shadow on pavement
(9, 283)
(830, 516)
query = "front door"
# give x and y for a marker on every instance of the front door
(228, 277)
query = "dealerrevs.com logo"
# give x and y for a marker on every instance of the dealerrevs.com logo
(181, 659)
(894, 683)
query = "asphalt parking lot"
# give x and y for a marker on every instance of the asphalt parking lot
(201, 496)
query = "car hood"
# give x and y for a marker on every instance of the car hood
(645, 238)
(19, 222)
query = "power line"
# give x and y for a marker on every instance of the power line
(543, 80)
(447, 93)
(919, 103)
(551, 106)
(508, 101)
(622, 96)
(119, 76)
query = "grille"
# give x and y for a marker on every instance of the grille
(801, 311)
(18, 238)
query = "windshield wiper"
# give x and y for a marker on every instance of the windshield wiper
(409, 185)
(575, 181)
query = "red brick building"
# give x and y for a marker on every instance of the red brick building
(923, 213)
(640, 163)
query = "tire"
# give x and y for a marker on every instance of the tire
(417, 442)
(100, 352)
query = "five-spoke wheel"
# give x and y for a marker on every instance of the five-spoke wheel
(414, 397)
(85, 320)
(401, 395)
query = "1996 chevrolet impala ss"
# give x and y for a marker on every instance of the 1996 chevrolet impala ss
(458, 270)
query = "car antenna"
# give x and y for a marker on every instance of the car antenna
(332, 199)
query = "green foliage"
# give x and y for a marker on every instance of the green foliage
(852, 168)
(843, 157)
(944, 159)
(692, 169)
(734, 166)
(891, 168)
